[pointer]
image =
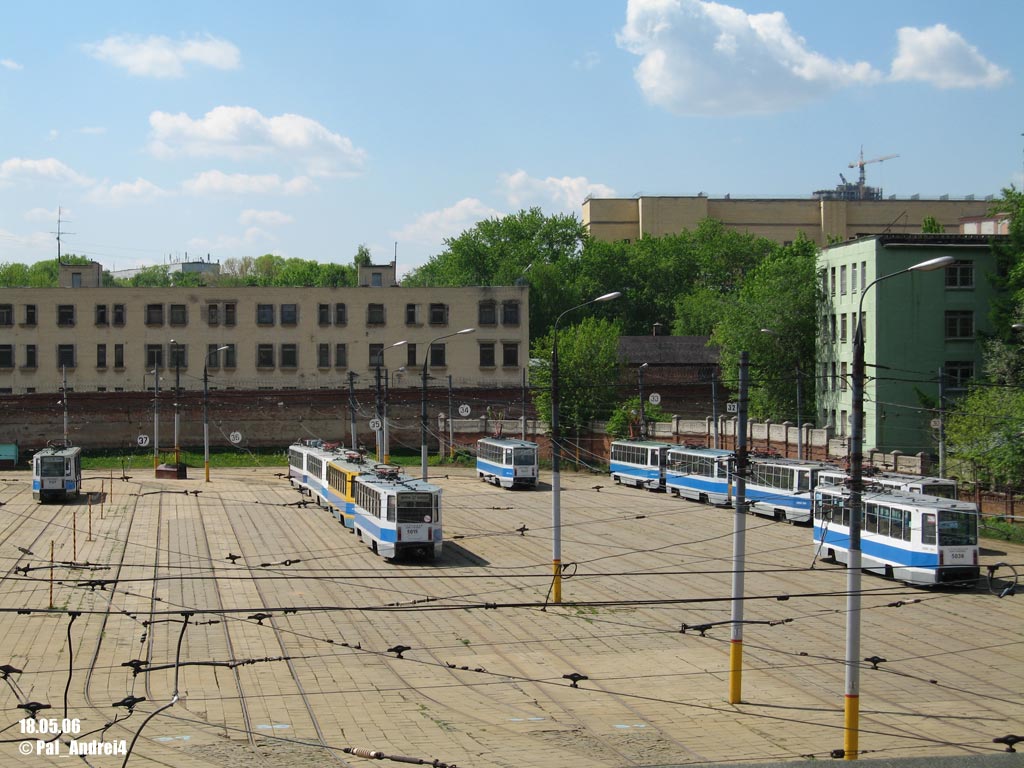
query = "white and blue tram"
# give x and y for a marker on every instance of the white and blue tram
(397, 514)
(57, 473)
(639, 462)
(945, 488)
(700, 474)
(913, 538)
(507, 462)
(783, 488)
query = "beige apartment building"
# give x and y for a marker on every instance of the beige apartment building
(781, 220)
(253, 338)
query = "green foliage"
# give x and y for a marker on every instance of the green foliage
(998, 528)
(931, 226)
(1009, 277)
(781, 294)
(587, 371)
(985, 429)
(625, 419)
(150, 277)
(362, 257)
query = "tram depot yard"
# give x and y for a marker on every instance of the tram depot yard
(299, 642)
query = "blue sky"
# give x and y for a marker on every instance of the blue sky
(308, 128)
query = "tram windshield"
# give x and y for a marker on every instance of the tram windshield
(957, 528)
(524, 457)
(415, 507)
(51, 466)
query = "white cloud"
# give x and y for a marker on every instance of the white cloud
(49, 169)
(243, 133)
(941, 57)
(9, 64)
(252, 236)
(705, 58)
(432, 228)
(566, 193)
(218, 182)
(31, 247)
(251, 217)
(43, 214)
(158, 56)
(138, 191)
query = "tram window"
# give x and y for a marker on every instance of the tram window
(803, 480)
(871, 521)
(896, 524)
(928, 528)
(883, 520)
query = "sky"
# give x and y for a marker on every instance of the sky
(186, 130)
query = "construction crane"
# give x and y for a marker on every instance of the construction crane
(862, 162)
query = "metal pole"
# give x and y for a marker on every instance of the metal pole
(352, 408)
(177, 394)
(739, 541)
(643, 417)
(64, 399)
(423, 398)
(379, 432)
(387, 443)
(714, 405)
(942, 421)
(451, 421)
(524, 406)
(206, 420)
(799, 413)
(156, 417)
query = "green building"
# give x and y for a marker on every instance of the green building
(916, 324)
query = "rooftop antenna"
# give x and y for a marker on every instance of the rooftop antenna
(58, 233)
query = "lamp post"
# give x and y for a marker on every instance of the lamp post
(853, 565)
(799, 398)
(206, 410)
(640, 386)
(423, 399)
(556, 455)
(177, 394)
(156, 414)
(382, 407)
(389, 382)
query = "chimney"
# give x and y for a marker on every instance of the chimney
(657, 329)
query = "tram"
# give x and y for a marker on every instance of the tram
(507, 462)
(57, 473)
(700, 474)
(640, 463)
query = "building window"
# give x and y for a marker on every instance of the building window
(230, 312)
(410, 314)
(323, 314)
(101, 314)
(289, 314)
(832, 327)
(154, 314)
(213, 314)
(230, 360)
(340, 314)
(510, 313)
(844, 419)
(376, 355)
(119, 314)
(959, 324)
(842, 280)
(835, 378)
(289, 356)
(832, 288)
(410, 355)
(439, 314)
(842, 377)
(65, 355)
(824, 329)
(437, 356)
(486, 354)
(30, 314)
(863, 275)
(6, 314)
(323, 354)
(6, 355)
(213, 356)
(264, 314)
(101, 355)
(487, 313)
(30, 355)
(154, 356)
(376, 279)
(179, 314)
(264, 355)
(510, 354)
(341, 356)
(177, 355)
(842, 327)
(65, 315)
(76, 279)
(960, 274)
(375, 314)
(119, 356)
(853, 277)
(959, 373)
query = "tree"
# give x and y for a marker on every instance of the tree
(362, 257)
(931, 226)
(625, 419)
(782, 295)
(985, 430)
(588, 369)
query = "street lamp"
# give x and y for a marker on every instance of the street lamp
(423, 399)
(177, 394)
(853, 565)
(799, 398)
(640, 386)
(206, 410)
(382, 410)
(556, 455)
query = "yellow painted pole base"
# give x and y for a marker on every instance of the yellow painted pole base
(736, 672)
(556, 587)
(851, 722)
